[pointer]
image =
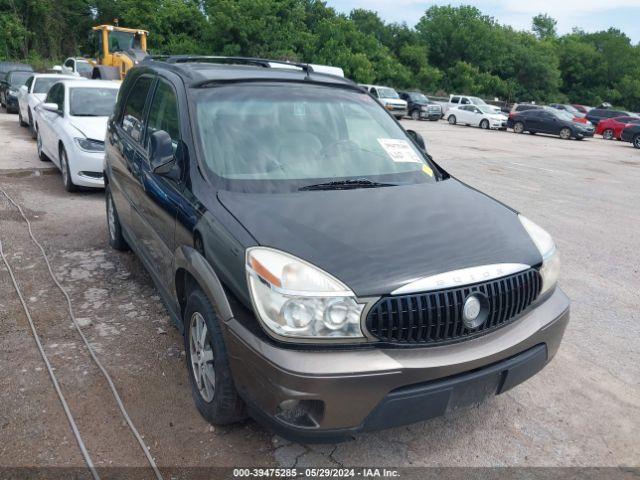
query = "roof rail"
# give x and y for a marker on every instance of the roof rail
(262, 62)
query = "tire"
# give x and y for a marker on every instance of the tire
(608, 134)
(69, 186)
(415, 114)
(32, 127)
(484, 124)
(532, 133)
(518, 127)
(636, 141)
(214, 393)
(451, 119)
(41, 155)
(20, 119)
(565, 133)
(114, 228)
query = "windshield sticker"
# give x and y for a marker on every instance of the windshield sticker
(426, 169)
(400, 151)
(299, 109)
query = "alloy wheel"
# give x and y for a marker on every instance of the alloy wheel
(415, 115)
(565, 134)
(484, 124)
(64, 167)
(636, 141)
(201, 355)
(518, 127)
(452, 120)
(607, 134)
(111, 218)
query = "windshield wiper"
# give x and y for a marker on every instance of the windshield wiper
(346, 185)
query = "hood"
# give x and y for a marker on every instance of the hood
(94, 128)
(378, 239)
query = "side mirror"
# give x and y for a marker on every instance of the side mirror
(24, 89)
(51, 107)
(418, 139)
(161, 155)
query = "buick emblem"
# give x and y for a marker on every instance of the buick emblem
(472, 311)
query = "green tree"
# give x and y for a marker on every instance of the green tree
(544, 26)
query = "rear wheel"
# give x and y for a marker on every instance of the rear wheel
(116, 238)
(212, 385)
(484, 124)
(452, 120)
(518, 127)
(565, 133)
(636, 141)
(608, 134)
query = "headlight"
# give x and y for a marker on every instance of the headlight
(89, 145)
(13, 92)
(546, 246)
(424, 108)
(293, 298)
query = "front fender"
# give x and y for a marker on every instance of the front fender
(192, 262)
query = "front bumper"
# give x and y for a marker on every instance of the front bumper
(86, 168)
(585, 133)
(329, 394)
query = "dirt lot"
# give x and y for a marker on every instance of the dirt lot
(582, 410)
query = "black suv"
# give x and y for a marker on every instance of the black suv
(596, 114)
(419, 107)
(328, 277)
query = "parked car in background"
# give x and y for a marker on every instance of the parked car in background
(457, 100)
(521, 107)
(596, 114)
(611, 128)
(78, 66)
(581, 108)
(578, 116)
(6, 67)
(631, 134)
(481, 116)
(419, 107)
(389, 99)
(281, 217)
(550, 121)
(9, 87)
(32, 93)
(71, 125)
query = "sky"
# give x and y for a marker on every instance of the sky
(589, 15)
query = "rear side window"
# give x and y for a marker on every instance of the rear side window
(163, 113)
(455, 99)
(465, 101)
(132, 118)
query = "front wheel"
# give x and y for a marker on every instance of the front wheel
(518, 127)
(565, 133)
(636, 141)
(415, 115)
(484, 124)
(41, 155)
(452, 120)
(69, 186)
(608, 134)
(212, 385)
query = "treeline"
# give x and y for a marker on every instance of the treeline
(450, 49)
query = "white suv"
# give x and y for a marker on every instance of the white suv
(389, 99)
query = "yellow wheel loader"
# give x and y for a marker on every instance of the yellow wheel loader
(119, 49)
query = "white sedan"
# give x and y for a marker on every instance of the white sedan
(32, 93)
(478, 116)
(71, 125)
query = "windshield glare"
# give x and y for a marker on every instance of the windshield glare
(275, 137)
(387, 93)
(485, 109)
(92, 102)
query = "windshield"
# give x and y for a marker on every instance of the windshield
(92, 102)
(275, 137)
(17, 79)
(477, 101)
(571, 109)
(419, 98)
(121, 41)
(563, 114)
(84, 67)
(486, 109)
(385, 92)
(43, 84)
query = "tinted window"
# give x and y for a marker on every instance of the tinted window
(455, 99)
(56, 95)
(92, 102)
(163, 113)
(29, 82)
(17, 79)
(132, 119)
(465, 101)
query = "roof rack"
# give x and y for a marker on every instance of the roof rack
(262, 62)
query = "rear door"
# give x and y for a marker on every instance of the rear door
(158, 196)
(125, 149)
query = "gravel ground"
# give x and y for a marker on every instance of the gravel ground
(582, 410)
